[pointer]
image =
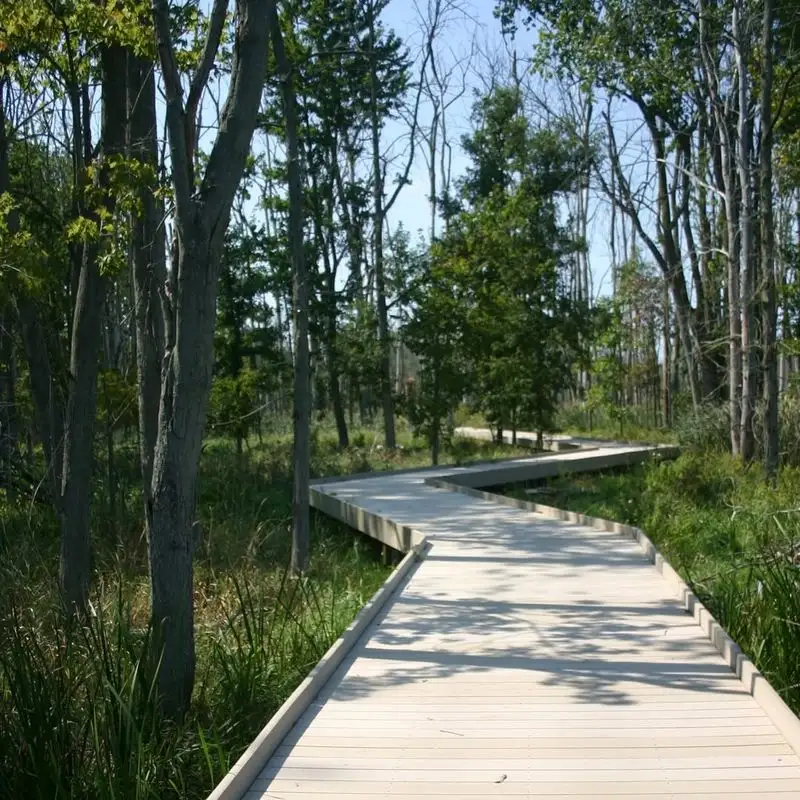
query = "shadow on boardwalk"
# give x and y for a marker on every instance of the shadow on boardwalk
(438, 629)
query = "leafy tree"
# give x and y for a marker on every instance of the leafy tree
(435, 331)
(499, 308)
(202, 211)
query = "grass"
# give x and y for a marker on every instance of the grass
(734, 539)
(76, 702)
(577, 421)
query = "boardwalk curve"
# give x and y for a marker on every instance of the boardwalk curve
(514, 654)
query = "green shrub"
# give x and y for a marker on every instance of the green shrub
(707, 428)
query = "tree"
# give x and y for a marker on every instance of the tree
(385, 91)
(51, 47)
(500, 310)
(202, 212)
(301, 529)
(148, 256)
(768, 299)
(435, 331)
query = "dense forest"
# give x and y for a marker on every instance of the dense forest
(210, 296)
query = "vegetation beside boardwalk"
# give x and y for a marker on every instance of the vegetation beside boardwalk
(77, 701)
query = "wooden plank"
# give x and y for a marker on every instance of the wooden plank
(754, 789)
(401, 754)
(489, 775)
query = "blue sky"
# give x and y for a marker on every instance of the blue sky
(477, 26)
(412, 207)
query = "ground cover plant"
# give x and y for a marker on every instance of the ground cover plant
(77, 699)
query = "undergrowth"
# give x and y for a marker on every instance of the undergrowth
(77, 702)
(733, 538)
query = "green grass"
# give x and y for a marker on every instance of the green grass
(577, 421)
(733, 538)
(77, 706)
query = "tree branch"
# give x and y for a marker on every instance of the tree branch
(232, 145)
(200, 79)
(175, 116)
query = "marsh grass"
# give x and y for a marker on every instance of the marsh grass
(77, 701)
(733, 538)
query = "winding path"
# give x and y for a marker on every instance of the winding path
(524, 656)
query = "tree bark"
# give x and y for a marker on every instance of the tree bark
(746, 433)
(148, 260)
(75, 561)
(666, 404)
(769, 320)
(330, 265)
(301, 527)
(333, 365)
(727, 167)
(8, 403)
(201, 219)
(387, 401)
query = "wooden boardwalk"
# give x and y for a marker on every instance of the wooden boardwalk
(531, 658)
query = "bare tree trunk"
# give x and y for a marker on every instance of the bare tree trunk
(387, 401)
(75, 562)
(746, 434)
(8, 379)
(202, 212)
(666, 404)
(330, 266)
(333, 366)
(149, 261)
(769, 319)
(301, 532)
(728, 171)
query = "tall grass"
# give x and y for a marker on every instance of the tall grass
(733, 538)
(76, 700)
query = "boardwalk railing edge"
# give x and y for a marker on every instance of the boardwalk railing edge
(400, 537)
(754, 682)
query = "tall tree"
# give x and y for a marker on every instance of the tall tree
(300, 289)
(148, 257)
(746, 255)
(86, 327)
(768, 299)
(202, 212)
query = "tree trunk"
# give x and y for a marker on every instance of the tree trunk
(387, 400)
(301, 532)
(202, 212)
(436, 426)
(149, 262)
(734, 310)
(333, 365)
(768, 300)
(666, 405)
(746, 434)
(8, 403)
(75, 562)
